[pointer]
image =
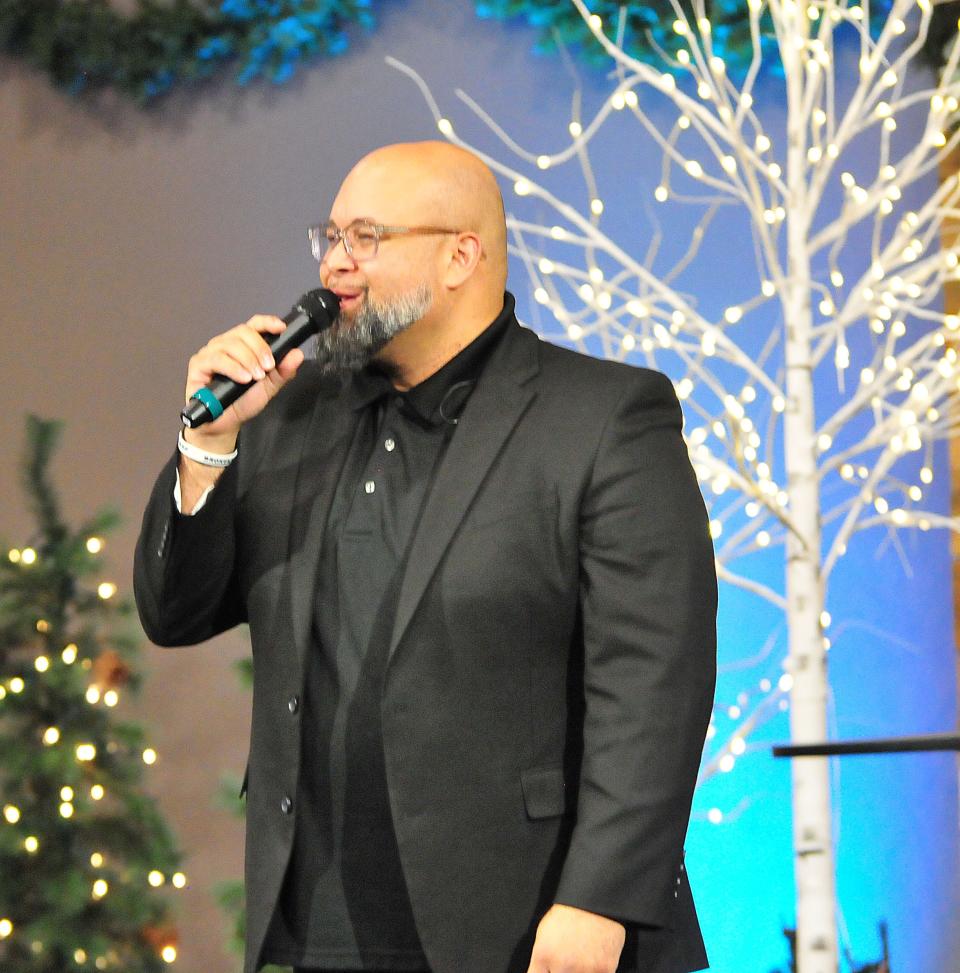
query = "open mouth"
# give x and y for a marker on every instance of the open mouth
(349, 301)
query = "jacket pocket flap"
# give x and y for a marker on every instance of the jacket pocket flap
(544, 791)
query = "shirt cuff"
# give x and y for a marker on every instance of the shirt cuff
(197, 507)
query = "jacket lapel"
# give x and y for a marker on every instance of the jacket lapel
(325, 444)
(496, 405)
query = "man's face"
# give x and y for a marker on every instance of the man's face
(384, 294)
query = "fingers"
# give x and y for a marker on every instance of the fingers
(241, 354)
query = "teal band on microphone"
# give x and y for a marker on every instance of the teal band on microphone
(207, 397)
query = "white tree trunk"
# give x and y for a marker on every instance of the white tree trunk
(812, 823)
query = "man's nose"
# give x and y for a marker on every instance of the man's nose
(337, 259)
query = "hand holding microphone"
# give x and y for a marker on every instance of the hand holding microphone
(233, 377)
(245, 362)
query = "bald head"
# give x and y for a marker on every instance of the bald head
(435, 278)
(438, 184)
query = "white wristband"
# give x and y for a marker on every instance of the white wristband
(202, 456)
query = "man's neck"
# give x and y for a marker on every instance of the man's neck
(412, 356)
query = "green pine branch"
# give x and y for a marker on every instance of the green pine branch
(85, 854)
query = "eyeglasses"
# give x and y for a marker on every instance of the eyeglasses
(361, 238)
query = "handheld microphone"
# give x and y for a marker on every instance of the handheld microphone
(314, 312)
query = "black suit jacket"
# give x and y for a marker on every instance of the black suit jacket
(552, 664)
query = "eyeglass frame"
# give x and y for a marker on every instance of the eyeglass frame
(317, 234)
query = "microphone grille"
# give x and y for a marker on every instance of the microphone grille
(321, 304)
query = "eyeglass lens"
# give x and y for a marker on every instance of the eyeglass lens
(360, 238)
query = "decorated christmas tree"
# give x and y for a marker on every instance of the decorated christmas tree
(84, 851)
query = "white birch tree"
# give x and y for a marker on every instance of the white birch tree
(845, 275)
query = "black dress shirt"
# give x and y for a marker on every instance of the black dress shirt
(344, 903)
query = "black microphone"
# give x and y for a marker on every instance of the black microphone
(314, 312)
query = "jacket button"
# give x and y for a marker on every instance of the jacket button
(286, 804)
(293, 703)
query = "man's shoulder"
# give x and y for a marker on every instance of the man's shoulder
(571, 370)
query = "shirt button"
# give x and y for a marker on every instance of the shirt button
(389, 445)
(293, 704)
(369, 486)
(286, 804)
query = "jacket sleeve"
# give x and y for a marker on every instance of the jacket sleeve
(648, 598)
(184, 577)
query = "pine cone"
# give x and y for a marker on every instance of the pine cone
(109, 670)
(160, 936)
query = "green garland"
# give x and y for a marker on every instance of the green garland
(84, 45)
(88, 44)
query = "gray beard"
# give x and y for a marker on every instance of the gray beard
(350, 345)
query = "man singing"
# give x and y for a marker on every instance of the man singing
(481, 596)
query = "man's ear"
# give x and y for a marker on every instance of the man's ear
(466, 253)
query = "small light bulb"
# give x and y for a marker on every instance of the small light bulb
(12, 813)
(51, 735)
(169, 954)
(149, 756)
(6, 928)
(69, 654)
(156, 879)
(66, 793)
(31, 843)
(94, 545)
(97, 792)
(100, 888)
(106, 590)
(96, 859)
(179, 880)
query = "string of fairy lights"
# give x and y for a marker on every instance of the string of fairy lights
(85, 752)
(875, 271)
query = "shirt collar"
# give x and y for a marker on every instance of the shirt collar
(427, 401)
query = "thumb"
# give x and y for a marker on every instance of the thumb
(288, 365)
